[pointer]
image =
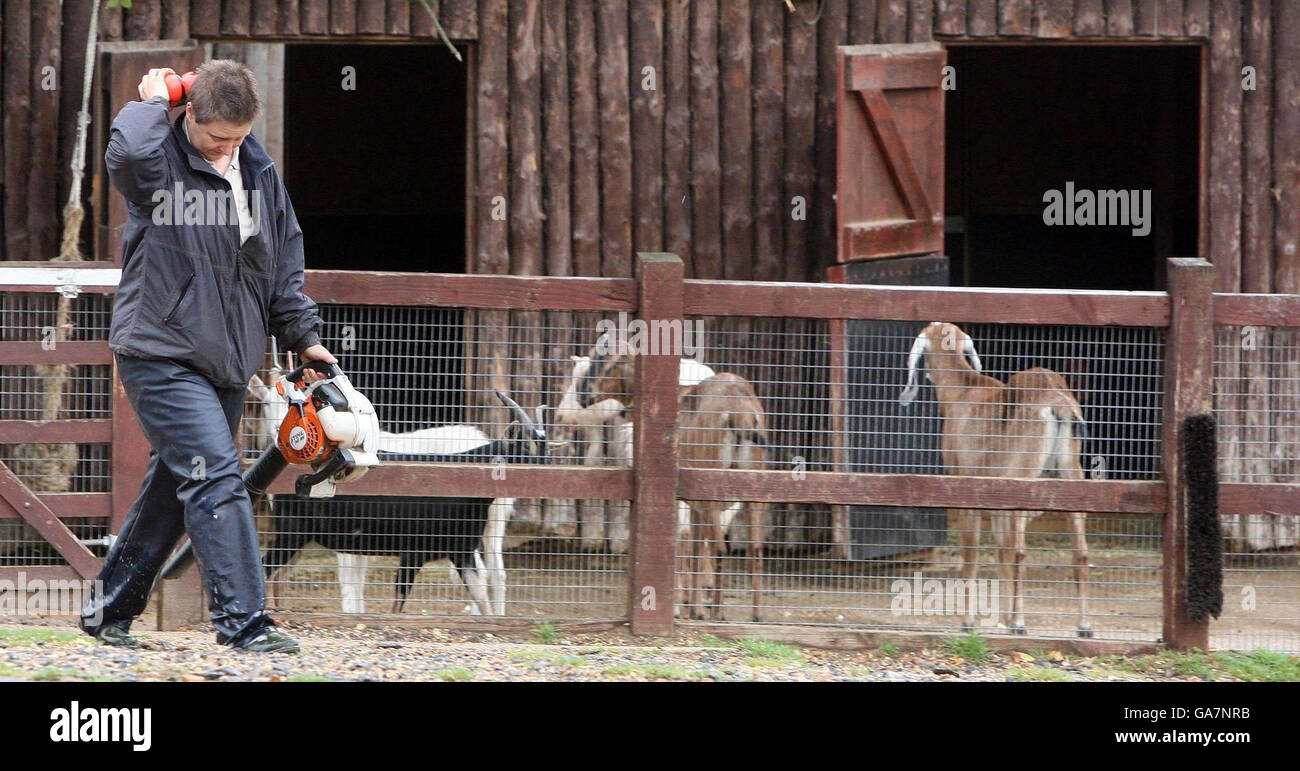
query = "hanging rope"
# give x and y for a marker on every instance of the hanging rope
(73, 214)
(441, 33)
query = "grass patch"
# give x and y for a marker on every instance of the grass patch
(547, 657)
(890, 650)
(19, 638)
(654, 671)
(10, 671)
(758, 648)
(1101, 673)
(1038, 675)
(303, 677)
(545, 633)
(970, 648)
(709, 641)
(455, 675)
(1259, 666)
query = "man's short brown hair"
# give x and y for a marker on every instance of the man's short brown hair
(225, 90)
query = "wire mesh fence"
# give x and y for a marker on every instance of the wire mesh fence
(936, 589)
(432, 557)
(798, 395)
(1257, 410)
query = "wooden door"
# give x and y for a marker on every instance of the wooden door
(118, 73)
(889, 172)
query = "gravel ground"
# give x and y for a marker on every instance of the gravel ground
(370, 654)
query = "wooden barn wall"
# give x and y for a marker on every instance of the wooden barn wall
(739, 122)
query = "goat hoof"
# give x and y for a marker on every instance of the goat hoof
(757, 618)
(1085, 631)
(1019, 629)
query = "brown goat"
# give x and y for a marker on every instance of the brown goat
(722, 426)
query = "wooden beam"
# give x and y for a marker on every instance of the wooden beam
(1119, 18)
(1189, 349)
(982, 18)
(706, 182)
(236, 18)
(69, 352)
(800, 159)
(472, 291)
(950, 18)
(1286, 145)
(676, 85)
(343, 17)
(1225, 97)
(615, 138)
(939, 491)
(907, 303)
(1265, 310)
(736, 127)
(1257, 174)
(768, 145)
(17, 66)
(21, 501)
(646, 30)
(652, 545)
(1015, 17)
(72, 506)
(585, 143)
(24, 431)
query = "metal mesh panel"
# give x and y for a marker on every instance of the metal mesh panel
(1257, 411)
(926, 590)
(457, 561)
(29, 316)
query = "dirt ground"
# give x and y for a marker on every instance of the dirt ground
(55, 651)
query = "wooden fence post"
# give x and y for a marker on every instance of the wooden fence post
(1189, 386)
(652, 547)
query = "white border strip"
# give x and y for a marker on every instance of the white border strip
(57, 277)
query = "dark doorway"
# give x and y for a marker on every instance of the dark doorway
(1026, 119)
(377, 172)
(377, 177)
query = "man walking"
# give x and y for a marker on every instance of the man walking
(212, 262)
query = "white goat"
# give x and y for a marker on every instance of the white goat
(436, 440)
(606, 433)
(1030, 426)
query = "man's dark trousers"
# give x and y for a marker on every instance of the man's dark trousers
(193, 485)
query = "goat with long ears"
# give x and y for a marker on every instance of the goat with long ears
(1031, 426)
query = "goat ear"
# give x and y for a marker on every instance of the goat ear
(968, 348)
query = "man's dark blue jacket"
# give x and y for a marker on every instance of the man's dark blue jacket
(189, 291)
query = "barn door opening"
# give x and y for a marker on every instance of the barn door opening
(375, 154)
(1024, 120)
(375, 151)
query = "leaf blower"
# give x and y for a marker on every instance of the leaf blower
(178, 86)
(330, 426)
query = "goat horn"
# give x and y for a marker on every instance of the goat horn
(519, 412)
(919, 347)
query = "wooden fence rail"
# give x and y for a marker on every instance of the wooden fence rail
(1189, 312)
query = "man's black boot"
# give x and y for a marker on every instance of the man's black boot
(111, 634)
(270, 640)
